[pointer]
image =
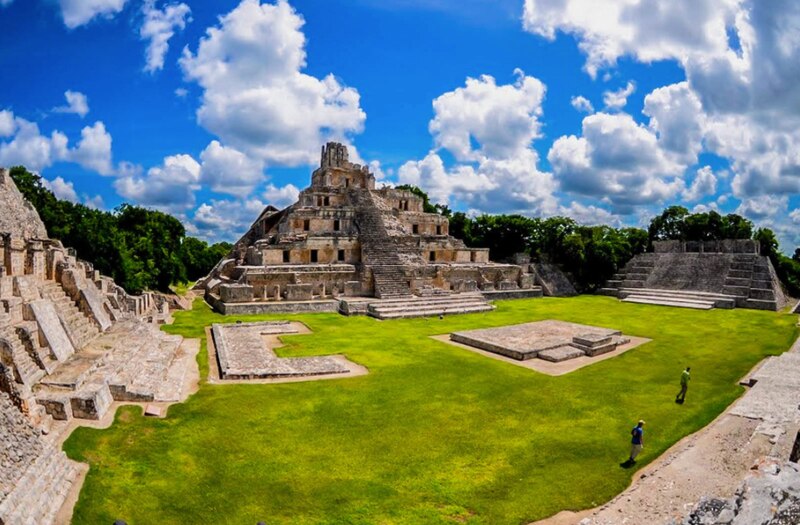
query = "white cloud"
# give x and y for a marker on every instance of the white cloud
(646, 29)
(96, 202)
(763, 207)
(255, 97)
(227, 170)
(616, 100)
(32, 149)
(158, 28)
(502, 119)
(582, 104)
(795, 216)
(28, 147)
(742, 63)
(704, 183)
(79, 12)
(61, 189)
(588, 214)
(94, 149)
(170, 186)
(616, 159)
(224, 219)
(489, 129)
(76, 103)
(280, 197)
(181, 92)
(7, 125)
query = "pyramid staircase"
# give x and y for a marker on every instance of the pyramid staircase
(748, 283)
(435, 305)
(378, 250)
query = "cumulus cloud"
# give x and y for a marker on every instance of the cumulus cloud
(763, 207)
(646, 29)
(618, 159)
(227, 170)
(281, 196)
(158, 28)
(170, 186)
(224, 219)
(489, 129)
(76, 103)
(589, 215)
(616, 100)
(255, 96)
(7, 125)
(741, 99)
(61, 189)
(704, 183)
(582, 104)
(79, 12)
(503, 120)
(30, 148)
(94, 149)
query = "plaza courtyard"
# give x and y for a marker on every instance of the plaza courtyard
(433, 433)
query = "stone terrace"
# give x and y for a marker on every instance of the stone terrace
(550, 340)
(243, 353)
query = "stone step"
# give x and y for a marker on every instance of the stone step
(433, 312)
(613, 292)
(41, 492)
(661, 301)
(632, 283)
(743, 265)
(762, 304)
(740, 274)
(433, 299)
(735, 281)
(433, 308)
(738, 291)
(762, 293)
(718, 300)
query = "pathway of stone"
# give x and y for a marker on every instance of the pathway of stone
(733, 471)
(245, 352)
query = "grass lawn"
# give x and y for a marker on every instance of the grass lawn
(433, 434)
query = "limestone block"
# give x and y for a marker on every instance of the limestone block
(6, 285)
(59, 409)
(92, 403)
(14, 308)
(299, 292)
(236, 293)
(92, 302)
(352, 288)
(507, 285)
(526, 281)
(26, 288)
(51, 329)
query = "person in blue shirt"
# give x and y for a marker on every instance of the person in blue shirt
(637, 441)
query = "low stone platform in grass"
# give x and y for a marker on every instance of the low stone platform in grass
(552, 341)
(245, 351)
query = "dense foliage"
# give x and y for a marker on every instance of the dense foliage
(141, 249)
(592, 254)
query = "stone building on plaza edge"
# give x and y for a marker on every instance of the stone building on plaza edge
(344, 238)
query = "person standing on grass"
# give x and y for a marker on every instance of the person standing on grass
(685, 377)
(637, 441)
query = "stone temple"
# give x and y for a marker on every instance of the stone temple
(345, 239)
(72, 343)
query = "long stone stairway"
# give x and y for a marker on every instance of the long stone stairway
(378, 251)
(447, 304)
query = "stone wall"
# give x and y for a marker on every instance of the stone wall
(720, 246)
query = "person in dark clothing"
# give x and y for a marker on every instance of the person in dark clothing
(637, 441)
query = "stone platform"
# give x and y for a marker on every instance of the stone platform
(550, 340)
(245, 351)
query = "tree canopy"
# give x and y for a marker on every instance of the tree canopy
(141, 249)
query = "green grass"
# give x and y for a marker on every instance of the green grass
(182, 288)
(434, 433)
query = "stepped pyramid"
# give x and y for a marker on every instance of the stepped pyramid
(344, 239)
(702, 275)
(71, 343)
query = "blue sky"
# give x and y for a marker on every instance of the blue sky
(606, 111)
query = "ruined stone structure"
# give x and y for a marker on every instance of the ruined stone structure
(701, 275)
(344, 238)
(71, 343)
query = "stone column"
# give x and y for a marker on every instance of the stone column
(35, 263)
(14, 256)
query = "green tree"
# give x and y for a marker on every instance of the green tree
(670, 225)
